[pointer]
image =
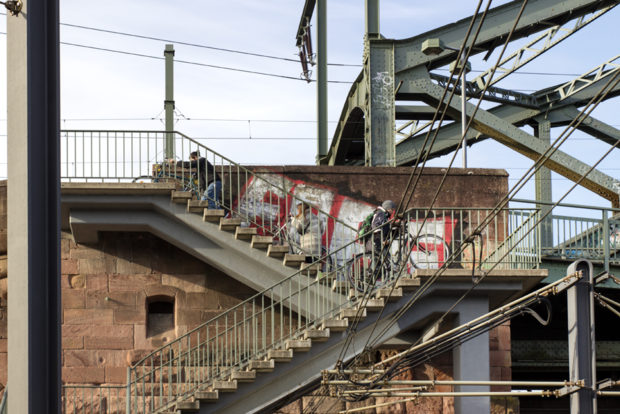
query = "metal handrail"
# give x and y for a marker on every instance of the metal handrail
(247, 332)
(122, 156)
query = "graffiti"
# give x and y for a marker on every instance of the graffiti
(382, 88)
(270, 210)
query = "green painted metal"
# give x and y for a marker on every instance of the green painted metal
(372, 18)
(169, 101)
(543, 184)
(321, 23)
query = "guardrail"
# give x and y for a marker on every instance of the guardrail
(574, 237)
(260, 201)
(100, 399)
(245, 334)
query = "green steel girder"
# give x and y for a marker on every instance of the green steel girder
(537, 16)
(558, 111)
(526, 144)
(348, 144)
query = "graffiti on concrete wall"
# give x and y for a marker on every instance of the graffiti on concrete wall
(271, 209)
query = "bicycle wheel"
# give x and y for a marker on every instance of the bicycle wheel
(430, 252)
(399, 250)
(146, 179)
(355, 270)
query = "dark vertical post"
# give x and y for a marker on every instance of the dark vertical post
(33, 207)
(581, 340)
(321, 24)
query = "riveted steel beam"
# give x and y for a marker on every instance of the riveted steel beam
(528, 145)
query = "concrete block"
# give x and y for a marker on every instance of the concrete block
(97, 281)
(129, 282)
(261, 242)
(106, 342)
(116, 375)
(69, 267)
(245, 233)
(299, 345)
(72, 342)
(335, 325)
(262, 365)
(72, 298)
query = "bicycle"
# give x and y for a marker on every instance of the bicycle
(405, 252)
(163, 173)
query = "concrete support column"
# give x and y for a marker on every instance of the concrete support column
(543, 186)
(33, 207)
(471, 359)
(380, 150)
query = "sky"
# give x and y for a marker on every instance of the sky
(255, 119)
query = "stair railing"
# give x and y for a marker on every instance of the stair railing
(265, 201)
(208, 356)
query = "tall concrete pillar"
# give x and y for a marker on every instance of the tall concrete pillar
(471, 359)
(33, 208)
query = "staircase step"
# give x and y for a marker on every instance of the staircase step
(262, 365)
(408, 284)
(245, 233)
(229, 224)
(326, 278)
(181, 197)
(243, 376)
(310, 268)
(213, 215)
(197, 206)
(261, 242)
(317, 335)
(225, 386)
(277, 250)
(353, 314)
(374, 305)
(394, 296)
(188, 406)
(340, 285)
(207, 396)
(280, 355)
(335, 325)
(299, 345)
(293, 260)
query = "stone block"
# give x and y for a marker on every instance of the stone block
(72, 342)
(187, 283)
(503, 337)
(97, 281)
(92, 330)
(293, 408)
(91, 266)
(3, 345)
(77, 281)
(107, 342)
(94, 317)
(116, 375)
(102, 299)
(130, 316)
(195, 300)
(64, 248)
(69, 267)
(83, 375)
(189, 317)
(132, 282)
(499, 358)
(72, 298)
(84, 252)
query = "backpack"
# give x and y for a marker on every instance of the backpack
(364, 228)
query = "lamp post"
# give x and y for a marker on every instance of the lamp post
(435, 47)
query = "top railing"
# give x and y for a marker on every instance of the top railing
(259, 200)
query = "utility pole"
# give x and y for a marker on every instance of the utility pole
(33, 205)
(321, 24)
(169, 102)
(581, 339)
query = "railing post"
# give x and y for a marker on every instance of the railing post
(606, 240)
(128, 397)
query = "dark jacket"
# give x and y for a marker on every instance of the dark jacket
(202, 169)
(380, 225)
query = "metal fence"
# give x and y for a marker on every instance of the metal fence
(94, 399)
(246, 336)
(343, 268)
(260, 201)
